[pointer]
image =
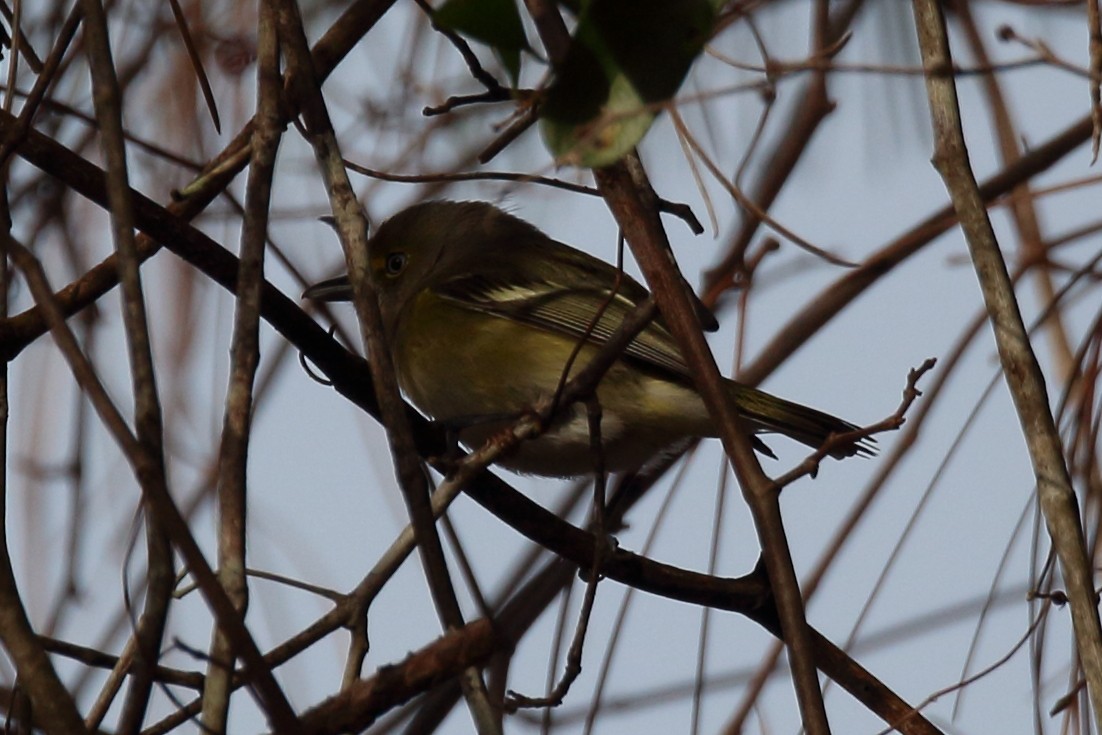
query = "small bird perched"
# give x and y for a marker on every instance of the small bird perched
(482, 312)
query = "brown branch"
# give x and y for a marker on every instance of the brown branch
(53, 708)
(147, 409)
(523, 119)
(244, 358)
(1023, 374)
(42, 83)
(359, 706)
(630, 199)
(494, 90)
(352, 229)
(196, 62)
(98, 659)
(1022, 200)
(551, 28)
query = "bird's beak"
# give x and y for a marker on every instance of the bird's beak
(335, 289)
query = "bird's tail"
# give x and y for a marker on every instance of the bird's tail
(804, 424)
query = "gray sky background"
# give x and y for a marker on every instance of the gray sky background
(324, 503)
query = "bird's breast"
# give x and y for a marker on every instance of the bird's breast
(455, 363)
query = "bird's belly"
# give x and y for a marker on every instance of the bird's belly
(480, 373)
(566, 449)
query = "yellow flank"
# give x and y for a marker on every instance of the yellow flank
(437, 340)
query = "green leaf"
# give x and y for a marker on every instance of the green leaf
(627, 57)
(495, 23)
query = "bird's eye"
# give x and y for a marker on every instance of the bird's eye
(395, 263)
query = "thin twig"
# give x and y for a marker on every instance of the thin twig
(678, 209)
(149, 430)
(573, 669)
(244, 358)
(810, 464)
(196, 63)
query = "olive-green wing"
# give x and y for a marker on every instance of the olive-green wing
(568, 310)
(556, 258)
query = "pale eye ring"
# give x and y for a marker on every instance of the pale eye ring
(395, 263)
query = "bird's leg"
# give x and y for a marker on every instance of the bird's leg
(596, 448)
(447, 461)
(513, 700)
(605, 543)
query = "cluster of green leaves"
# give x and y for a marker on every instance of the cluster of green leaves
(626, 59)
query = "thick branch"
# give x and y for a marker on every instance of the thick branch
(1023, 373)
(629, 196)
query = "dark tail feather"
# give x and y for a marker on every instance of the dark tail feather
(806, 425)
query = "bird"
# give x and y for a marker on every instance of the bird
(481, 312)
